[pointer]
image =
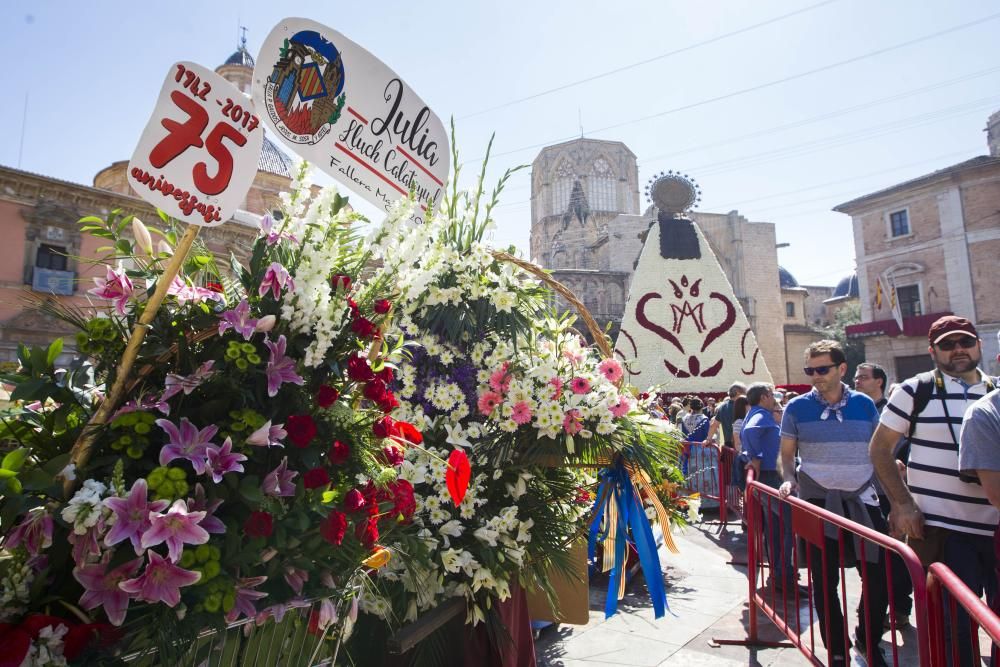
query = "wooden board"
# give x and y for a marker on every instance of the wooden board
(573, 594)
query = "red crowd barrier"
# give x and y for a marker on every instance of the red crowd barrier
(828, 545)
(946, 594)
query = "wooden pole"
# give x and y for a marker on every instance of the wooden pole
(80, 453)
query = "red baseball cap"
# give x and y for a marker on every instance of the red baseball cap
(948, 326)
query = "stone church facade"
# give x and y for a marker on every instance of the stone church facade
(588, 229)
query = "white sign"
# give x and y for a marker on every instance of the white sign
(198, 156)
(344, 110)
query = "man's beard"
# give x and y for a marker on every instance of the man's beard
(958, 366)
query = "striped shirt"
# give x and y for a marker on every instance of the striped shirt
(932, 471)
(834, 453)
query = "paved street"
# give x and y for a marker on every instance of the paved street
(707, 596)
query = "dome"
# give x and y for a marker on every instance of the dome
(786, 279)
(847, 287)
(240, 57)
(273, 160)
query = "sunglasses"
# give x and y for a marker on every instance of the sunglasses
(949, 344)
(818, 370)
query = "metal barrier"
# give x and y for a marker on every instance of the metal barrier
(709, 472)
(945, 588)
(828, 544)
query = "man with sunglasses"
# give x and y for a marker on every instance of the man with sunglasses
(830, 428)
(943, 517)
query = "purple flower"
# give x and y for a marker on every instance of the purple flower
(132, 516)
(161, 582)
(278, 482)
(186, 443)
(296, 578)
(34, 532)
(222, 460)
(101, 587)
(115, 286)
(280, 369)
(184, 292)
(268, 435)
(175, 384)
(177, 527)
(145, 402)
(276, 278)
(200, 503)
(245, 595)
(238, 319)
(278, 611)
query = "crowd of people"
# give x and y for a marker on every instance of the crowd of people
(918, 460)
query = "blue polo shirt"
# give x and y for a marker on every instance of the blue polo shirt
(761, 438)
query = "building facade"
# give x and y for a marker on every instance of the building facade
(937, 239)
(587, 227)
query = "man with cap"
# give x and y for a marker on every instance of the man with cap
(943, 517)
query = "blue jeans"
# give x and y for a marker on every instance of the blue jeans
(972, 558)
(778, 533)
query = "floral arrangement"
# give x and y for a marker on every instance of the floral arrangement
(254, 465)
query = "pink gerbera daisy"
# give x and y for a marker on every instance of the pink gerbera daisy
(611, 370)
(572, 422)
(621, 408)
(488, 402)
(579, 385)
(500, 379)
(522, 412)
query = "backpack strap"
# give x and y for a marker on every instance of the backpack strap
(921, 397)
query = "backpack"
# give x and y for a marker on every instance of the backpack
(926, 383)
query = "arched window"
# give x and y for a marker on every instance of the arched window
(601, 183)
(562, 187)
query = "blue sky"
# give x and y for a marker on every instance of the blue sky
(784, 152)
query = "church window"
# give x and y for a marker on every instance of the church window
(899, 223)
(51, 257)
(909, 300)
(562, 188)
(789, 309)
(602, 187)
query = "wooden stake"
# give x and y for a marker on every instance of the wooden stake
(80, 453)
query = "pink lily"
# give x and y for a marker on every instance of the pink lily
(238, 319)
(116, 287)
(186, 442)
(184, 292)
(132, 516)
(175, 383)
(222, 460)
(245, 595)
(278, 482)
(177, 527)
(280, 369)
(34, 532)
(276, 278)
(268, 435)
(161, 582)
(200, 503)
(101, 587)
(145, 402)
(296, 578)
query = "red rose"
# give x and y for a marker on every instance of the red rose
(408, 433)
(393, 454)
(385, 375)
(333, 527)
(354, 501)
(402, 498)
(353, 306)
(358, 370)
(301, 429)
(364, 327)
(389, 403)
(382, 306)
(79, 637)
(315, 478)
(326, 396)
(376, 390)
(340, 281)
(339, 453)
(215, 287)
(367, 532)
(259, 524)
(384, 427)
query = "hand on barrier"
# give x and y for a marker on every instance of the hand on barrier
(907, 520)
(788, 488)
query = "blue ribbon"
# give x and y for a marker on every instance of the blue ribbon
(632, 527)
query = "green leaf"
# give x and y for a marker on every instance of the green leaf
(55, 349)
(15, 459)
(124, 246)
(250, 490)
(32, 389)
(5, 473)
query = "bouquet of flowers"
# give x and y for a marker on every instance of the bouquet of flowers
(254, 465)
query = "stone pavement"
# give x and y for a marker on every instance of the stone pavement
(707, 596)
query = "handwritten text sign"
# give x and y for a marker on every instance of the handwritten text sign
(198, 155)
(345, 111)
